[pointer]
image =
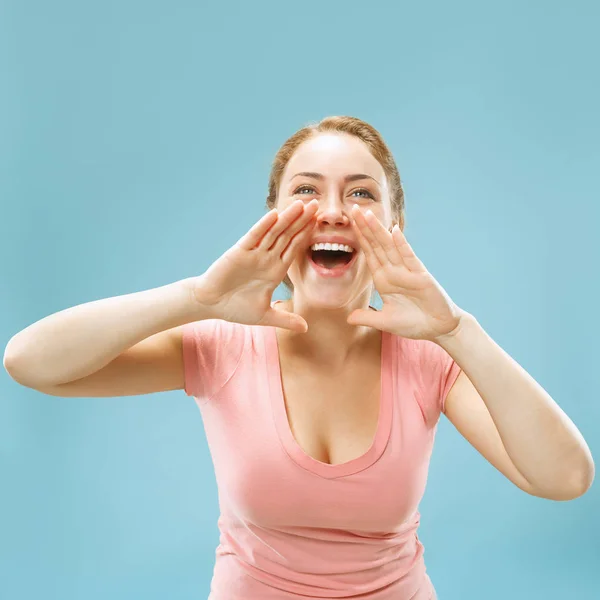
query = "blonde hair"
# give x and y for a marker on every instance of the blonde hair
(351, 126)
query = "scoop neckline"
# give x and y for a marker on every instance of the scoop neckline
(286, 437)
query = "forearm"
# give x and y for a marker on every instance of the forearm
(78, 341)
(541, 440)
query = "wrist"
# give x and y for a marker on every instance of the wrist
(195, 298)
(456, 337)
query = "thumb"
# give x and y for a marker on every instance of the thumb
(369, 318)
(284, 320)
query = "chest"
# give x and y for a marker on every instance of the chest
(333, 416)
(310, 445)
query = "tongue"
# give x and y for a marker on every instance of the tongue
(331, 258)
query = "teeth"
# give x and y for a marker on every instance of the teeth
(328, 246)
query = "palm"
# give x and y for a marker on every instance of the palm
(239, 285)
(242, 283)
(414, 304)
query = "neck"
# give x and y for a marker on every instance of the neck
(330, 340)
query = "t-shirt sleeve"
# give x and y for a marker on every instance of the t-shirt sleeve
(450, 372)
(437, 372)
(212, 348)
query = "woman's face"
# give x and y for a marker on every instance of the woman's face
(339, 171)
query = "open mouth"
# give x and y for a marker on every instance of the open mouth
(331, 259)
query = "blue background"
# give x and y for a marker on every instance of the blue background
(135, 146)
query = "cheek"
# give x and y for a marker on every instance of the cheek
(382, 214)
(300, 262)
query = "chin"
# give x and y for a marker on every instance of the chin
(328, 295)
(328, 300)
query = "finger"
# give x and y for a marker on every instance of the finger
(301, 239)
(284, 320)
(409, 258)
(373, 261)
(284, 219)
(252, 238)
(380, 239)
(369, 318)
(368, 236)
(370, 256)
(285, 236)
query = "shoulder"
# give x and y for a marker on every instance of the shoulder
(431, 370)
(211, 330)
(418, 354)
(212, 350)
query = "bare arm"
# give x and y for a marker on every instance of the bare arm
(132, 344)
(80, 341)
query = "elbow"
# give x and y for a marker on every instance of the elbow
(583, 477)
(15, 366)
(12, 368)
(9, 361)
(571, 488)
(583, 482)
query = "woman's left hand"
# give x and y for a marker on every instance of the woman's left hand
(414, 304)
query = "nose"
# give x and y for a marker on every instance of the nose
(333, 212)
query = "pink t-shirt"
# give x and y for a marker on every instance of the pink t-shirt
(293, 527)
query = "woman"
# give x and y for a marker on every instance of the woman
(320, 412)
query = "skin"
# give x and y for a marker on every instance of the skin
(495, 404)
(326, 303)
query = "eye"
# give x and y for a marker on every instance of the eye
(369, 195)
(304, 187)
(312, 189)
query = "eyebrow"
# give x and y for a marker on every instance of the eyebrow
(320, 176)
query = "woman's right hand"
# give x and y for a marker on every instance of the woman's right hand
(239, 285)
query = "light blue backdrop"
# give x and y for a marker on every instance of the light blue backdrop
(135, 145)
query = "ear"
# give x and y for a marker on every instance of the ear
(396, 221)
(399, 222)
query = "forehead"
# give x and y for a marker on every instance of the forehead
(334, 155)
